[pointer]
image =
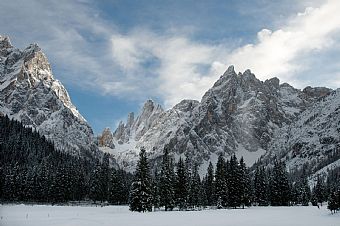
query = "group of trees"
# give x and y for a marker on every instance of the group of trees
(231, 185)
(32, 170)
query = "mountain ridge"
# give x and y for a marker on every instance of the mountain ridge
(30, 93)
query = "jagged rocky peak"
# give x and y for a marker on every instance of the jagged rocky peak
(29, 93)
(186, 105)
(5, 44)
(316, 92)
(106, 139)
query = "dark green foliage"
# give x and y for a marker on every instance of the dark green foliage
(209, 185)
(181, 185)
(279, 185)
(233, 177)
(119, 186)
(221, 192)
(302, 191)
(33, 170)
(244, 185)
(167, 179)
(141, 188)
(195, 190)
(319, 191)
(334, 201)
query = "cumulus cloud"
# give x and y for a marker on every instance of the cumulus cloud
(171, 65)
(281, 52)
(181, 67)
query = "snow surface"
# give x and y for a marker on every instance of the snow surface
(22, 215)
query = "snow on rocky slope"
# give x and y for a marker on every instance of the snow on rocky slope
(30, 94)
(239, 114)
(313, 139)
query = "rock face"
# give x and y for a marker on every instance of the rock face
(30, 94)
(313, 139)
(239, 114)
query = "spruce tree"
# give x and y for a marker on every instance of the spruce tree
(220, 183)
(234, 182)
(195, 191)
(279, 185)
(141, 191)
(181, 186)
(245, 184)
(333, 201)
(209, 185)
(167, 183)
(319, 191)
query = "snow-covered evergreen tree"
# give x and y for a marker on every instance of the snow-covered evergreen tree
(209, 185)
(181, 186)
(279, 185)
(141, 191)
(166, 185)
(221, 192)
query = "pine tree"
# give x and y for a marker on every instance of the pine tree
(303, 191)
(181, 186)
(333, 202)
(141, 191)
(260, 186)
(319, 191)
(156, 197)
(245, 184)
(234, 182)
(279, 185)
(209, 185)
(220, 183)
(167, 183)
(195, 191)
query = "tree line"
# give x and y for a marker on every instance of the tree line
(229, 185)
(32, 170)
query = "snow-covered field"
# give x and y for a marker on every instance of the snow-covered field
(39, 215)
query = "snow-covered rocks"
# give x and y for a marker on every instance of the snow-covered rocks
(239, 114)
(30, 94)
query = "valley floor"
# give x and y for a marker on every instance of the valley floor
(22, 215)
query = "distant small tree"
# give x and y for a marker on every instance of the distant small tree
(333, 202)
(141, 191)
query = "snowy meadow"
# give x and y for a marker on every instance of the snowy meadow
(45, 215)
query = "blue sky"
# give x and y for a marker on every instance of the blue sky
(113, 55)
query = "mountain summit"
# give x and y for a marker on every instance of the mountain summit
(239, 114)
(30, 94)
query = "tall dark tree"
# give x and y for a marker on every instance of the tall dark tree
(195, 190)
(244, 185)
(221, 192)
(141, 190)
(319, 191)
(303, 191)
(279, 185)
(233, 182)
(209, 185)
(167, 182)
(181, 186)
(261, 186)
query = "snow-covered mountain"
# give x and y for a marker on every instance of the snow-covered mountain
(239, 114)
(313, 139)
(30, 94)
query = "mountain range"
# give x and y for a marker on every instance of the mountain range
(239, 114)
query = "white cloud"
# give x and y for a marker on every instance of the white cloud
(281, 53)
(180, 61)
(172, 66)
